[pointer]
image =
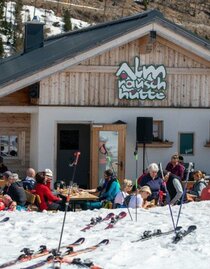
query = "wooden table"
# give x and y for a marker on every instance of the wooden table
(78, 197)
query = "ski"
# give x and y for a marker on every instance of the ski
(4, 219)
(76, 261)
(97, 220)
(156, 233)
(180, 235)
(115, 219)
(29, 254)
(67, 255)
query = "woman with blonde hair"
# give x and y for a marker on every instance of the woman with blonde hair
(199, 184)
(122, 194)
(138, 198)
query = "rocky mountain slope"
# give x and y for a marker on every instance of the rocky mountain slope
(191, 14)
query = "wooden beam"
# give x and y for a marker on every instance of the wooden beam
(113, 69)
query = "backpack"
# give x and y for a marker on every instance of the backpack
(127, 200)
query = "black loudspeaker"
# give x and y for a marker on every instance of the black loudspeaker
(34, 90)
(144, 129)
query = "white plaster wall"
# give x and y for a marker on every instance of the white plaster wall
(175, 121)
(34, 152)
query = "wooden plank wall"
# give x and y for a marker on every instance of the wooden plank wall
(19, 98)
(19, 124)
(93, 82)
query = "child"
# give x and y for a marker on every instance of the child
(139, 197)
(122, 194)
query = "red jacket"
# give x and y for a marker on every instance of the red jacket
(46, 196)
(205, 194)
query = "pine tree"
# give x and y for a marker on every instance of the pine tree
(2, 5)
(18, 27)
(1, 48)
(67, 21)
(145, 3)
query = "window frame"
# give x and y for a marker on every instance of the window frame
(193, 143)
(20, 145)
(160, 125)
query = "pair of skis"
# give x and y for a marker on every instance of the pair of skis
(57, 260)
(95, 221)
(28, 254)
(111, 216)
(180, 234)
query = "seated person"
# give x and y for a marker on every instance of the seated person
(122, 194)
(3, 167)
(6, 203)
(155, 183)
(173, 186)
(29, 181)
(141, 176)
(175, 167)
(49, 175)
(205, 194)
(199, 184)
(107, 193)
(138, 197)
(14, 189)
(60, 185)
(48, 200)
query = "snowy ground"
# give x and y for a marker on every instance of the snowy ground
(32, 229)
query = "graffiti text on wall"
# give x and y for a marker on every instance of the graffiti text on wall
(141, 82)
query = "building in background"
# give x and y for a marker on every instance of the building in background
(84, 90)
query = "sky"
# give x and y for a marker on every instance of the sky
(32, 229)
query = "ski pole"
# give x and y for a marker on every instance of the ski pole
(74, 165)
(184, 192)
(112, 168)
(136, 159)
(167, 200)
(127, 206)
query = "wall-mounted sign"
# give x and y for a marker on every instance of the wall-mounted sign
(141, 82)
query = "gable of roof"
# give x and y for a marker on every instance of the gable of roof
(68, 49)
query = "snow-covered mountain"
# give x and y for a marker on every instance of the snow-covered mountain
(53, 23)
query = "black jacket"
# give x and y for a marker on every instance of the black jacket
(16, 192)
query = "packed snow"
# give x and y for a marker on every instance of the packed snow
(32, 229)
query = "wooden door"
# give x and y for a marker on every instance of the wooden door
(108, 146)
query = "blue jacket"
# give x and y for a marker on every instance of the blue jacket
(155, 185)
(111, 191)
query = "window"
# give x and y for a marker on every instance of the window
(186, 145)
(9, 145)
(158, 131)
